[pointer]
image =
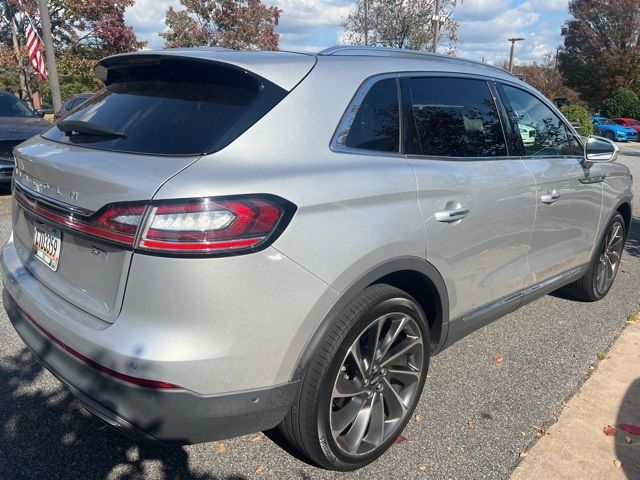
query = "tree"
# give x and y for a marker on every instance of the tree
(601, 47)
(83, 32)
(400, 23)
(622, 103)
(546, 78)
(578, 114)
(236, 24)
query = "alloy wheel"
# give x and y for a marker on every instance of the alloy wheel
(609, 259)
(377, 383)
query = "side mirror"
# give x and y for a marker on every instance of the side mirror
(600, 150)
(39, 113)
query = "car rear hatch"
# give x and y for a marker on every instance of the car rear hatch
(157, 115)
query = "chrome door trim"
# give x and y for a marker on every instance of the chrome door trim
(492, 306)
(485, 309)
(550, 281)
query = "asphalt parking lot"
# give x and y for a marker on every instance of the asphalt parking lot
(473, 421)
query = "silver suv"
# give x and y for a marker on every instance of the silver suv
(221, 242)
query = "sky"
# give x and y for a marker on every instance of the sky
(485, 25)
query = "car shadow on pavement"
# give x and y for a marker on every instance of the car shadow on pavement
(45, 433)
(629, 413)
(633, 239)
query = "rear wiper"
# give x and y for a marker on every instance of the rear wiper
(78, 127)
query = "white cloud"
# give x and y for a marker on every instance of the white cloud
(311, 25)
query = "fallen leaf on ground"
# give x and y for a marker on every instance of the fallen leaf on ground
(633, 319)
(617, 463)
(497, 359)
(259, 469)
(422, 468)
(255, 439)
(627, 439)
(609, 431)
(602, 356)
(632, 429)
(400, 439)
(418, 418)
(523, 454)
(470, 425)
(221, 447)
(540, 432)
(524, 434)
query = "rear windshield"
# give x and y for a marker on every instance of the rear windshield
(172, 107)
(10, 106)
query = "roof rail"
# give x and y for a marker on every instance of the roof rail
(396, 52)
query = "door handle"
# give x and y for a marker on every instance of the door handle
(449, 216)
(550, 198)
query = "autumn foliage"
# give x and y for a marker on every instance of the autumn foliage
(240, 25)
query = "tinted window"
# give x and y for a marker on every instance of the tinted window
(10, 106)
(174, 107)
(542, 132)
(376, 126)
(454, 117)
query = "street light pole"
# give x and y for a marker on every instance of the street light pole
(47, 38)
(513, 45)
(436, 27)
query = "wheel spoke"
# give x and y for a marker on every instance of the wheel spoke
(375, 434)
(373, 341)
(615, 237)
(614, 257)
(405, 376)
(356, 354)
(395, 404)
(353, 437)
(347, 388)
(344, 416)
(396, 328)
(402, 348)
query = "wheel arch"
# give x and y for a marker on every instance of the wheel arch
(414, 275)
(624, 209)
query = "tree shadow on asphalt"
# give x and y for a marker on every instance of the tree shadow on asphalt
(629, 454)
(47, 434)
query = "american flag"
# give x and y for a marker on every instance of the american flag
(35, 57)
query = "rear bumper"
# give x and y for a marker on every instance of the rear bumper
(170, 416)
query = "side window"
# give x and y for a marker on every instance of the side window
(69, 106)
(376, 126)
(543, 133)
(454, 117)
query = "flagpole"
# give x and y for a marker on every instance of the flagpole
(51, 59)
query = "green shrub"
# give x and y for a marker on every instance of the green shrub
(622, 103)
(578, 114)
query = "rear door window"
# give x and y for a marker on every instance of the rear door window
(172, 107)
(453, 117)
(376, 126)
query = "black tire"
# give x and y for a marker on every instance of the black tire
(307, 426)
(586, 288)
(610, 136)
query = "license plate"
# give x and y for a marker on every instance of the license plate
(46, 246)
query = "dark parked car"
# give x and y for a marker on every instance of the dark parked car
(17, 124)
(70, 104)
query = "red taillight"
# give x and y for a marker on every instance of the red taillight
(205, 225)
(210, 225)
(113, 224)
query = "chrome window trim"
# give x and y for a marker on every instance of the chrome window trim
(342, 130)
(344, 126)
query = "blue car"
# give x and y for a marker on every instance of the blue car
(608, 128)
